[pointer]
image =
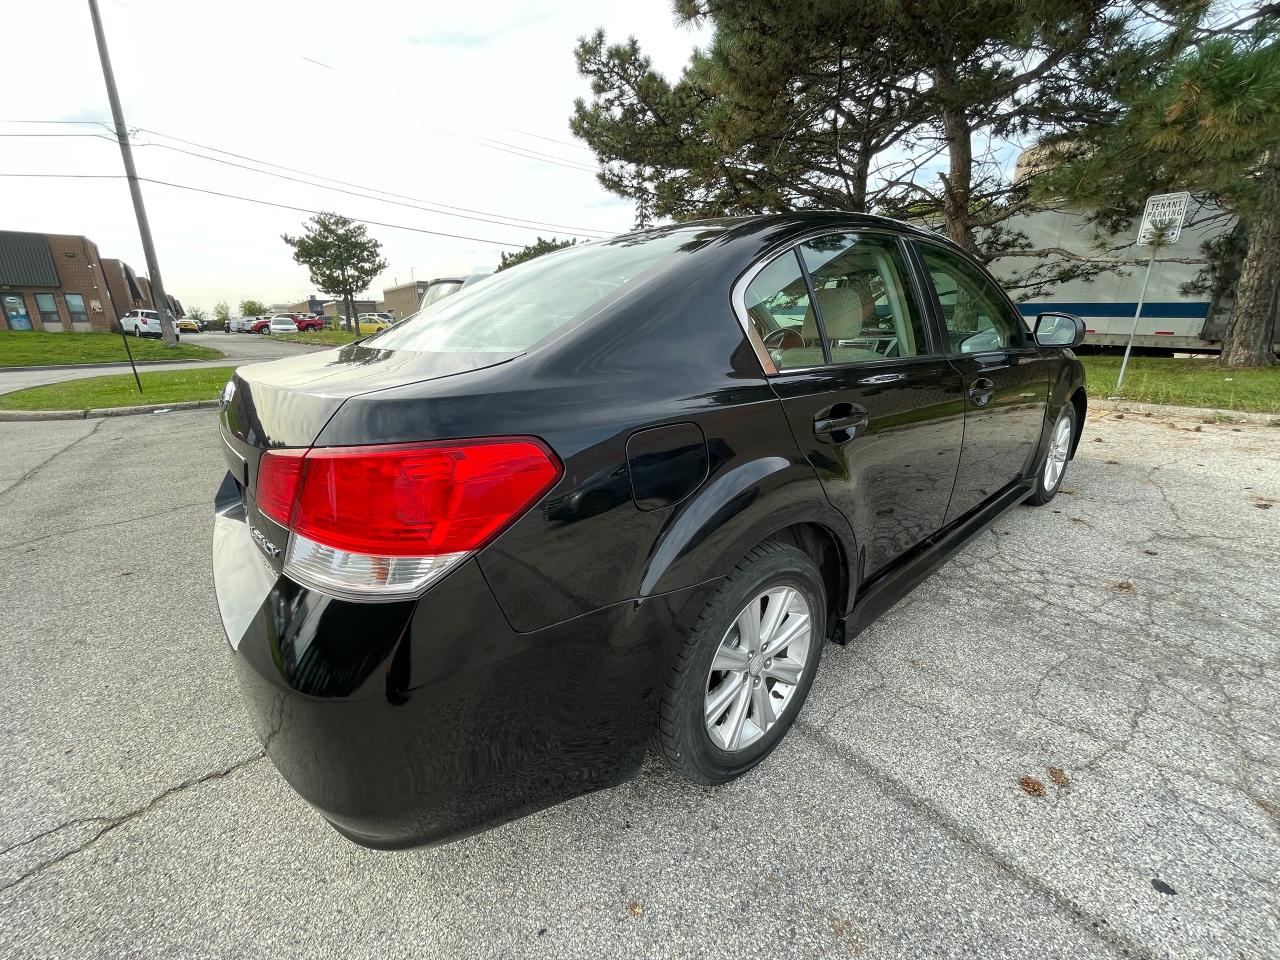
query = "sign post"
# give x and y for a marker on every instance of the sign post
(1161, 223)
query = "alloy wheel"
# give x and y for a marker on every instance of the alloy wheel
(1055, 462)
(757, 668)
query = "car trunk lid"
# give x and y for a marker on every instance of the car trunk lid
(286, 403)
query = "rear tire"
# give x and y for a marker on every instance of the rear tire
(1057, 455)
(726, 702)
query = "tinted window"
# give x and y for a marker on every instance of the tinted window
(47, 307)
(514, 309)
(975, 312)
(778, 307)
(864, 299)
(75, 307)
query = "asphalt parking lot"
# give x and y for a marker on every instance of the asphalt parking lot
(1067, 743)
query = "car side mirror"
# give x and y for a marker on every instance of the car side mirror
(1059, 330)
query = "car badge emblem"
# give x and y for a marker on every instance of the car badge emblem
(228, 392)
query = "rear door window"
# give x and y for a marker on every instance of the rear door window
(865, 299)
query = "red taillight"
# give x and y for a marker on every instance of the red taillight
(368, 520)
(278, 473)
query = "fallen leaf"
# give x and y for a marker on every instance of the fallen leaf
(913, 663)
(1113, 463)
(1032, 786)
(1097, 439)
(1119, 416)
(1197, 428)
(1124, 586)
(1151, 553)
(1058, 776)
(1080, 520)
(636, 908)
(1263, 506)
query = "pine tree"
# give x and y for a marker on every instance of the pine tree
(341, 257)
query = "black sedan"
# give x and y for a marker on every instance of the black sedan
(614, 498)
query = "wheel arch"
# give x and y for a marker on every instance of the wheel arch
(1079, 400)
(782, 501)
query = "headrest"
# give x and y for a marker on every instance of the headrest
(841, 314)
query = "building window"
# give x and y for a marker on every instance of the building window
(48, 308)
(15, 311)
(75, 307)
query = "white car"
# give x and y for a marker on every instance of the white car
(142, 323)
(282, 323)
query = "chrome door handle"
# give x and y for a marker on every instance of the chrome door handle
(981, 391)
(843, 418)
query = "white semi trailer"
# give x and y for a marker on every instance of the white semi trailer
(1171, 320)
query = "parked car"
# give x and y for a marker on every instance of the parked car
(142, 323)
(282, 323)
(305, 322)
(186, 323)
(232, 325)
(470, 566)
(372, 322)
(443, 287)
(256, 325)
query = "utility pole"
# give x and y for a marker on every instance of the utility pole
(135, 188)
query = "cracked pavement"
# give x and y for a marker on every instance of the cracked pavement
(1067, 742)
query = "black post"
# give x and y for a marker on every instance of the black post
(129, 353)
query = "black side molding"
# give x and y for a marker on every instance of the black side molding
(883, 592)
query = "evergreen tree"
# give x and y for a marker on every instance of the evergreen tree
(533, 250)
(341, 257)
(906, 107)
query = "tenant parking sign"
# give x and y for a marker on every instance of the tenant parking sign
(1163, 215)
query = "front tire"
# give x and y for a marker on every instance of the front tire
(746, 668)
(1053, 468)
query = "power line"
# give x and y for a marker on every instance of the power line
(368, 196)
(489, 216)
(265, 203)
(538, 136)
(511, 221)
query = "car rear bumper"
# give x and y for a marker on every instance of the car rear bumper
(419, 722)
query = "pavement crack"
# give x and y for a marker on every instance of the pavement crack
(49, 459)
(1091, 923)
(111, 823)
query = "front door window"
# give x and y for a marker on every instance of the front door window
(976, 315)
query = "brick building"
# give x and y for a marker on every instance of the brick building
(126, 290)
(59, 282)
(403, 300)
(335, 308)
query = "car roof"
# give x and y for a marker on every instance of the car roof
(797, 221)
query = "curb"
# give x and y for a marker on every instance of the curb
(17, 416)
(108, 364)
(1170, 410)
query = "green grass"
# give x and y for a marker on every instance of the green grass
(161, 386)
(328, 338)
(1185, 382)
(29, 348)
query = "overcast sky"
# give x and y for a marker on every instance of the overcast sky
(395, 95)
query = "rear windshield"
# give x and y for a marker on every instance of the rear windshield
(512, 310)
